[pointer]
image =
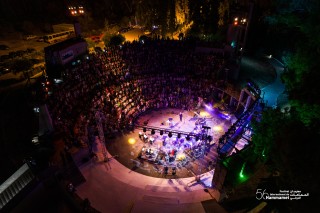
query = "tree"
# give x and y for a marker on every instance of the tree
(223, 11)
(117, 40)
(90, 43)
(290, 140)
(106, 38)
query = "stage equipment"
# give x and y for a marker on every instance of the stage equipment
(144, 129)
(153, 131)
(161, 132)
(170, 134)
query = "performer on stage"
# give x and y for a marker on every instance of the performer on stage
(180, 115)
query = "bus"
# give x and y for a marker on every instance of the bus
(59, 36)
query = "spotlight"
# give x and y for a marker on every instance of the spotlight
(161, 132)
(144, 129)
(153, 132)
(170, 134)
(179, 135)
(188, 138)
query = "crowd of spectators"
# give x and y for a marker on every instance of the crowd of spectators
(122, 82)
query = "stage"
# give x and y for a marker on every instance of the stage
(159, 155)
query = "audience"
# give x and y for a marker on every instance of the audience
(122, 82)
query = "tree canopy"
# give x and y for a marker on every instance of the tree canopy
(288, 140)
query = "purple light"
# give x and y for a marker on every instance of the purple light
(224, 116)
(208, 107)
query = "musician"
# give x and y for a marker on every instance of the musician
(151, 140)
(145, 137)
(174, 171)
(140, 135)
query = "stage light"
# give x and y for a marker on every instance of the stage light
(132, 141)
(153, 131)
(144, 129)
(179, 135)
(161, 132)
(181, 156)
(217, 128)
(204, 114)
(208, 107)
(188, 138)
(241, 173)
(170, 134)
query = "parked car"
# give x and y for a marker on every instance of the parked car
(4, 58)
(95, 39)
(147, 32)
(124, 30)
(4, 70)
(3, 47)
(98, 49)
(30, 37)
(30, 50)
(40, 39)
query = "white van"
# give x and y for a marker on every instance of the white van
(30, 37)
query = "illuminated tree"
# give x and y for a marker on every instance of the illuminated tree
(223, 11)
(182, 11)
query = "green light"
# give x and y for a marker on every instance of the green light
(241, 175)
(263, 155)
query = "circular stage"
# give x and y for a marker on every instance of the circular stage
(155, 153)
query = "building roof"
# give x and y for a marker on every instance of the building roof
(64, 44)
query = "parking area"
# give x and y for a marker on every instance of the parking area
(20, 56)
(20, 44)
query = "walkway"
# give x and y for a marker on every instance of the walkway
(274, 90)
(112, 187)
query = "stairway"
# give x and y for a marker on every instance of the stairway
(14, 184)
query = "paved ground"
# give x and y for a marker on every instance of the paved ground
(257, 69)
(273, 91)
(112, 187)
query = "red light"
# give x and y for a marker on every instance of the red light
(48, 82)
(235, 23)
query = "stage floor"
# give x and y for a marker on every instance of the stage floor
(128, 146)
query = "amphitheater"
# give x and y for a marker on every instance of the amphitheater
(153, 120)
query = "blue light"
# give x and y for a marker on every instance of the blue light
(233, 44)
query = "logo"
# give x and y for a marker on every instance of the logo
(261, 194)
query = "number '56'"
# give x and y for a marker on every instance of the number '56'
(261, 194)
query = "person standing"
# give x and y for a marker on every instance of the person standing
(180, 115)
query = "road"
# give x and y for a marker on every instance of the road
(133, 34)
